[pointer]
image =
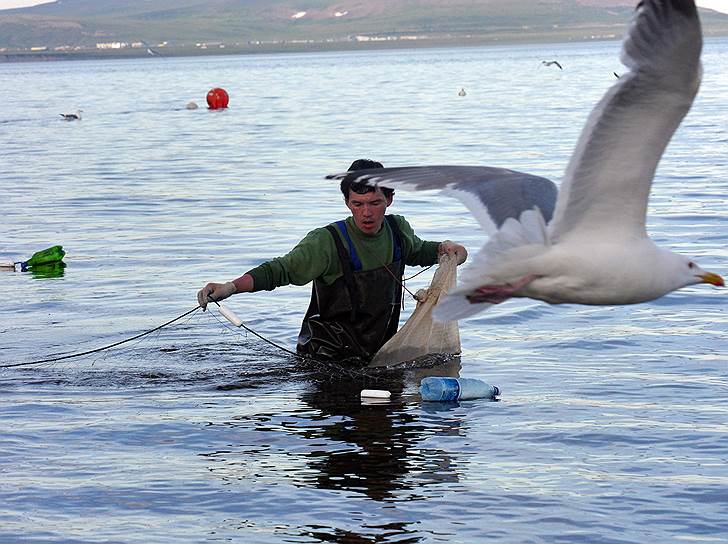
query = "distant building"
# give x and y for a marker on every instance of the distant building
(112, 45)
(205, 45)
(360, 38)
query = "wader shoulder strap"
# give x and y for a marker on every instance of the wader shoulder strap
(396, 239)
(346, 267)
(353, 255)
(397, 257)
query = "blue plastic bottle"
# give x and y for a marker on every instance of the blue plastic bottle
(444, 389)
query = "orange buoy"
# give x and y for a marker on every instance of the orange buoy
(217, 98)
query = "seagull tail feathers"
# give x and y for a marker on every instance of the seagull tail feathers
(528, 230)
(455, 306)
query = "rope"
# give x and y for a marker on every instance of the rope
(271, 342)
(103, 348)
(418, 273)
(401, 281)
(305, 358)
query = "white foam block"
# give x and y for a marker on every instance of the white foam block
(375, 393)
(230, 316)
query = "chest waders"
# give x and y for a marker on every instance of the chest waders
(355, 315)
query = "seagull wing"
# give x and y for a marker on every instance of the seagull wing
(607, 183)
(491, 194)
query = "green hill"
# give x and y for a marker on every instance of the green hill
(240, 24)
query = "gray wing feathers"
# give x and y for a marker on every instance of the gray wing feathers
(491, 194)
(611, 170)
(656, 28)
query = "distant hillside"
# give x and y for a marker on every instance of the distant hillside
(80, 24)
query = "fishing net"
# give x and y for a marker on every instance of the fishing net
(421, 335)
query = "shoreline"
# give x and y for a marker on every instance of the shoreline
(582, 35)
(296, 47)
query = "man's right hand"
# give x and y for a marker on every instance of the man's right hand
(215, 292)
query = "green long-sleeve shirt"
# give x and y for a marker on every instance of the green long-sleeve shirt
(316, 256)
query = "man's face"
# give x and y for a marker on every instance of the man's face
(368, 210)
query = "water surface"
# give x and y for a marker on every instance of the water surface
(612, 424)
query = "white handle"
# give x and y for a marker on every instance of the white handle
(230, 315)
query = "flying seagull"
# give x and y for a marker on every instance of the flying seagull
(71, 116)
(595, 249)
(550, 63)
(151, 51)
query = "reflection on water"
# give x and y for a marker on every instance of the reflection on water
(384, 456)
(50, 270)
(336, 442)
(40, 271)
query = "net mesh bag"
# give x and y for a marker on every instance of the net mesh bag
(421, 335)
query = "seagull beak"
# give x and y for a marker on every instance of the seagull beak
(713, 279)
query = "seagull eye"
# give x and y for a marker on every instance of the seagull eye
(691, 264)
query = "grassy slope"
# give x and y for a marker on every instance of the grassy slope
(85, 22)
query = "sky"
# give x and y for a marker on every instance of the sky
(7, 4)
(718, 5)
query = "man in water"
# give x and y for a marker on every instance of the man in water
(356, 266)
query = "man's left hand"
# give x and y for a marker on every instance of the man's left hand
(454, 250)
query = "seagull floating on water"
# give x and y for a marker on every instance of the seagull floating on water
(588, 244)
(551, 63)
(462, 92)
(72, 116)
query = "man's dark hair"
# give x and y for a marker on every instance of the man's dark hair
(362, 188)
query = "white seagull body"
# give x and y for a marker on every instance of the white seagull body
(595, 250)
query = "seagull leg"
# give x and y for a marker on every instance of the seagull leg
(497, 293)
